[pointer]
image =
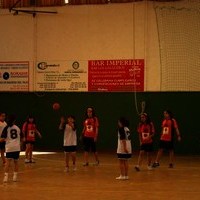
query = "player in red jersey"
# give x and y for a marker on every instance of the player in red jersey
(90, 135)
(146, 132)
(169, 128)
(29, 130)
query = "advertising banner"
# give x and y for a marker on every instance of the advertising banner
(116, 75)
(14, 76)
(61, 76)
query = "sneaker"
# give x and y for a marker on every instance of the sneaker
(74, 168)
(15, 177)
(149, 167)
(66, 169)
(32, 161)
(5, 179)
(156, 164)
(96, 163)
(27, 160)
(126, 178)
(85, 164)
(137, 168)
(171, 165)
(120, 177)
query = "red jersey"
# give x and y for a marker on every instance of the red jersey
(168, 126)
(146, 130)
(29, 130)
(91, 125)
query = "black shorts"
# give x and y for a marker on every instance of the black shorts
(13, 155)
(30, 142)
(89, 144)
(2, 145)
(147, 147)
(70, 148)
(124, 156)
(167, 145)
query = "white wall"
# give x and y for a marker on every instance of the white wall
(113, 31)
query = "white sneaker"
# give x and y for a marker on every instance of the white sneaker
(5, 179)
(96, 163)
(66, 169)
(74, 168)
(32, 161)
(15, 177)
(27, 160)
(126, 178)
(120, 177)
(149, 167)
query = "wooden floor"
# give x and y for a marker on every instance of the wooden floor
(46, 180)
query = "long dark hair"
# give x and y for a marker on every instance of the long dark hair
(11, 120)
(93, 112)
(148, 119)
(171, 115)
(30, 117)
(1, 113)
(124, 122)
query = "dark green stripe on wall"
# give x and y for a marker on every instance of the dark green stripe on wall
(109, 107)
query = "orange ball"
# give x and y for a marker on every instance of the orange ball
(56, 106)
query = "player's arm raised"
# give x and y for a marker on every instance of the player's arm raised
(62, 122)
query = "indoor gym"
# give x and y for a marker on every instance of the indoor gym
(49, 53)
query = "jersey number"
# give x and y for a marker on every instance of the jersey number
(31, 133)
(165, 131)
(145, 135)
(13, 134)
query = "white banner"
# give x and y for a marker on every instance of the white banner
(14, 76)
(61, 76)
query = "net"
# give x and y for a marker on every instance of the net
(178, 29)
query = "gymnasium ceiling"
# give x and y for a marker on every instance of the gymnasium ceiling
(7, 4)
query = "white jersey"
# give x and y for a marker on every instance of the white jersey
(12, 138)
(2, 126)
(124, 134)
(70, 138)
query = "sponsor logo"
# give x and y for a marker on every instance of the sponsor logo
(6, 75)
(44, 65)
(75, 65)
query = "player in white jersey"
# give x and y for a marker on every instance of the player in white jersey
(12, 136)
(70, 140)
(3, 124)
(124, 149)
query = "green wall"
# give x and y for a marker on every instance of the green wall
(109, 107)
